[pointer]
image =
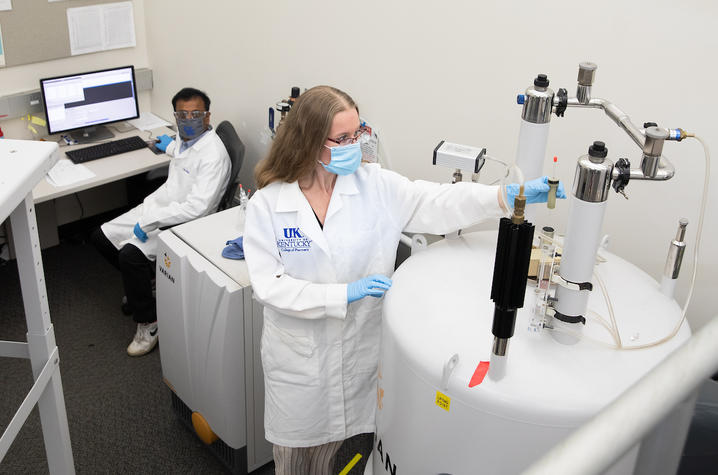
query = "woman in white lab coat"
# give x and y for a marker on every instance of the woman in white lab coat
(321, 237)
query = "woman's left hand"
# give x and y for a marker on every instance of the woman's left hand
(535, 191)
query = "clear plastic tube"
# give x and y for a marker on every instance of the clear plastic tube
(506, 180)
(696, 249)
(598, 318)
(611, 314)
(506, 166)
(581, 336)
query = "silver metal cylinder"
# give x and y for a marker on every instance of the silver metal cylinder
(500, 346)
(583, 94)
(652, 149)
(592, 180)
(457, 176)
(586, 73)
(676, 251)
(539, 102)
(655, 137)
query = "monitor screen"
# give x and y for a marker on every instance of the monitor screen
(90, 99)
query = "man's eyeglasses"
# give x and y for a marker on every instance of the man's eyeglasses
(348, 139)
(190, 114)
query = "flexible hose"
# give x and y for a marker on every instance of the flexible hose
(607, 299)
(501, 162)
(696, 250)
(502, 193)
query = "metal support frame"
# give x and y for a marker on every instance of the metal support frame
(604, 439)
(40, 348)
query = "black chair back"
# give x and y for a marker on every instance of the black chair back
(235, 149)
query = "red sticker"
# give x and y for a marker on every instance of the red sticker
(479, 374)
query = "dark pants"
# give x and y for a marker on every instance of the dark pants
(137, 274)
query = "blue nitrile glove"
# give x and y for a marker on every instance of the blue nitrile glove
(373, 285)
(163, 141)
(536, 191)
(141, 235)
(234, 249)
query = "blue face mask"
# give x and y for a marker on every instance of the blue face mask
(190, 128)
(345, 159)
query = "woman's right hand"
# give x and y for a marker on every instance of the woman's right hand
(373, 285)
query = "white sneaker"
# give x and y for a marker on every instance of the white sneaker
(145, 339)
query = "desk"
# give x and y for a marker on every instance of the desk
(24, 163)
(108, 169)
(103, 192)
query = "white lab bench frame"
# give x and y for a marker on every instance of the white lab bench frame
(24, 163)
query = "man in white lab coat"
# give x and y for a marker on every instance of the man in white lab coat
(197, 177)
(321, 236)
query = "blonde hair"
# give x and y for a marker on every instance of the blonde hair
(301, 136)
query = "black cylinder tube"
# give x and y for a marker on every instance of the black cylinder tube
(513, 253)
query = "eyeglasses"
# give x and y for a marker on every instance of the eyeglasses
(348, 139)
(190, 114)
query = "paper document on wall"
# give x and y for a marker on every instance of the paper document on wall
(5, 5)
(101, 27)
(66, 173)
(148, 121)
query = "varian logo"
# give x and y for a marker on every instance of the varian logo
(168, 263)
(294, 241)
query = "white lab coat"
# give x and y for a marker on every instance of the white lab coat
(196, 180)
(319, 353)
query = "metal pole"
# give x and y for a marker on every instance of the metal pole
(41, 337)
(607, 437)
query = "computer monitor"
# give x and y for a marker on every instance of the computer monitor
(82, 103)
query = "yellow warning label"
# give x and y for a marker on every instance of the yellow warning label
(443, 401)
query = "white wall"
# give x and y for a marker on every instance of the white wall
(427, 71)
(26, 77)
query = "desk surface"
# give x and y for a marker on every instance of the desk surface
(209, 235)
(106, 169)
(24, 163)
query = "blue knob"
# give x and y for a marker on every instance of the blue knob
(521, 98)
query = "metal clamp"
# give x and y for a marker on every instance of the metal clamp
(557, 279)
(621, 176)
(562, 96)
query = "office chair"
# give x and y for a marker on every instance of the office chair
(235, 149)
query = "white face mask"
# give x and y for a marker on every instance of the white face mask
(345, 159)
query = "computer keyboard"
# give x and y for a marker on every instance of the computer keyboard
(105, 149)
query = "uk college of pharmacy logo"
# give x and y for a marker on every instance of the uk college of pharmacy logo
(168, 262)
(293, 241)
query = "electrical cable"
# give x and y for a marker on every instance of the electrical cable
(82, 208)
